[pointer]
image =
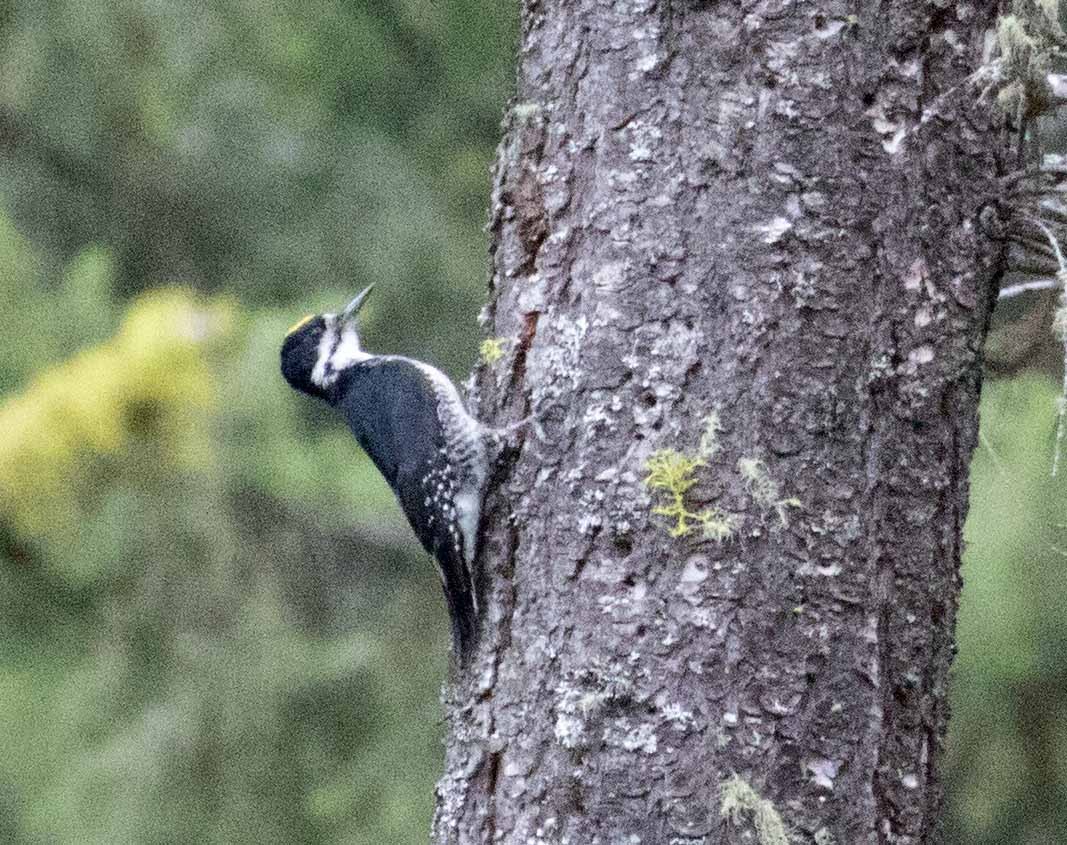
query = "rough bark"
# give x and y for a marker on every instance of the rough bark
(777, 212)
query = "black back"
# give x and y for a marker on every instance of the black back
(391, 407)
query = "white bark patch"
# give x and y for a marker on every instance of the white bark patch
(893, 145)
(644, 138)
(781, 59)
(892, 131)
(792, 207)
(829, 570)
(532, 297)
(561, 360)
(693, 575)
(916, 275)
(589, 524)
(829, 29)
(569, 730)
(774, 230)
(611, 276)
(921, 355)
(678, 343)
(647, 62)
(696, 570)
(680, 718)
(822, 771)
(596, 416)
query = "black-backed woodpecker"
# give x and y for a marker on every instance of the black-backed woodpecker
(410, 420)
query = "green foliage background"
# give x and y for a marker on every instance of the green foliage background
(214, 624)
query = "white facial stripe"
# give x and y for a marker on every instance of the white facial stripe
(321, 373)
(348, 351)
(337, 351)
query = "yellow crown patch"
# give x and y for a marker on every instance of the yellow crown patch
(300, 324)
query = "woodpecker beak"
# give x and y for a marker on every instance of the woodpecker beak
(353, 307)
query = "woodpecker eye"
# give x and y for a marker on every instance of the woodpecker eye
(300, 324)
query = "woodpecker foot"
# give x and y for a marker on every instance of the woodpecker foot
(506, 439)
(509, 439)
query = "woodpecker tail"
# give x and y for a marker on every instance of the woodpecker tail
(459, 593)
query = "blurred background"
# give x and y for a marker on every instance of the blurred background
(215, 625)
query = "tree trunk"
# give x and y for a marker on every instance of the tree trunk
(754, 234)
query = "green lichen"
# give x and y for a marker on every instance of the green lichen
(492, 350)
(824, 837)
(739, 800)
(672, 473)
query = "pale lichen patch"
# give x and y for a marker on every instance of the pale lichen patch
(583, 695)
(764, 490)
(709, 438)
(624, 734)
(824, 837)
(679, 717)
(738, 801)
(526, 111)
(1027, 40)
(719, 525)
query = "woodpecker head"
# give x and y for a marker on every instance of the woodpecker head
(320, 347)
